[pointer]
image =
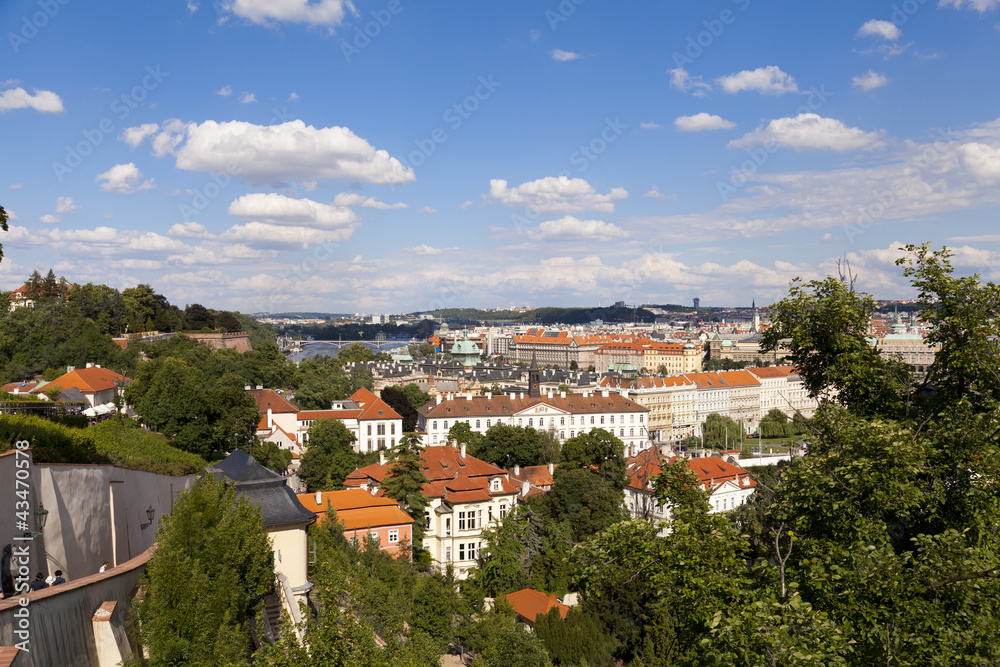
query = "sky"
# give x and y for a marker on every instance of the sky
(397, 156)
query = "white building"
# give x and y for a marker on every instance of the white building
(373, 423)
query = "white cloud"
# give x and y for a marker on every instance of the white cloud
(423, 250)
(281, 210)
(16, 186)
(570, 227)
(133, 136)
(123, 179)
(808, 131)
(282, 236)
(293, 97)
(192, 6)
(684, 82)
(44, 101)
(190, 230)
(313, 12)
(248, 98)
(225, 91)
(563, 56)
(979, 5)
(65, 205)
(427, 209)
(269, 153)
(870, 80)
(651, 126)
(768, 80)
(702, 121)
(885, 29)
(354, 199)
(981, 159)
(556, 195)
(50, 219)
(466, 205)
(654, 193)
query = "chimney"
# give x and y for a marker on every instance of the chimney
(319, 499)
(468, 396)
(90, 365)
(463, 450)
(665, 450)
(438, 397)
(562, 394)
(260, 386)
(605, 393)
(524, 488)
(381, 457)
(489, 396)
(517, 470)
(552, 468)
(269, 418)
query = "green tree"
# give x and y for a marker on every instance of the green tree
(416, 396)
(140, 305)
(234, 413)
(3, 225)
(361, 378)
(212, 568)
(462, 434)
(170, 397)
(329, 457)
(405, 480)
(720, 431)
(579, 638)
(397, 400)
(197, 317)
(271, 456)
(507, 446)
(584, 500)
(356, 353)
(597, 449)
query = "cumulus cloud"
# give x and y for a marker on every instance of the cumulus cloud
(248, 98)
(189, 230)
(313, 12)
(982, 160)
(465, 206)
(133, 136)
(427, 209)
(569, 227)
(768, 80)
(354, 199)
(885, 29)
(651, 126)
(654, 193)
(684, 82)
(50, 219)
(809, 131)
(702, 121)
(554, 194)
(43, 101)
(870, 80)
(123, 179)
(225, 91)
(278, 209)
(270, 153)
(65, 205)
(562, 56)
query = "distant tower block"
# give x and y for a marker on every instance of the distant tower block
(697, 302)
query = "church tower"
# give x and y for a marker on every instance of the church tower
(534, 378)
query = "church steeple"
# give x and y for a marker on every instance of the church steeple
(534, 378)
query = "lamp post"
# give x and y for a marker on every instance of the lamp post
(41, 517)
(150, 512)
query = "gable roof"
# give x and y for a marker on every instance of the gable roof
(373, 407)
(357, 509)
(711, 471)
(506, 405)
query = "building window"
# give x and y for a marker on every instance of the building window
(447, 526)
(612, 419)
(562, 421)
(489, 513)
(381, 429)
(503, 510)
(621, 433)
(392, 429)
(435, 425)
(393, 535)
(369, 444)
(592, 419)
(640, 419)
(461, 520)
(602, 419)
(472, 550)
(369, 429)
(530, 420)
(447, 554)
(374, 536)
(461, 551)
(487, 424)
(381, 443)
(446, 425)
(631, 431)
(562, 435)
(477, 423)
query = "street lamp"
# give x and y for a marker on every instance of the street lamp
(41, 517)
(149, 515)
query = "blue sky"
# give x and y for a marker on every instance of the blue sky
(274, 155)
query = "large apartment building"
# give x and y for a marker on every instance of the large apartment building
(374, 424)
(466, 495)
(561, 348)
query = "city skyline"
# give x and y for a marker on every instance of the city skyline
(276, 156)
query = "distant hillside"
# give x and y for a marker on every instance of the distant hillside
(549, 315)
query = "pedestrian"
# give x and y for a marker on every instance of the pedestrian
(105, 566)
(59, 578)
(39, 583)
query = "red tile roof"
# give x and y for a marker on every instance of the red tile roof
(269, 398)
(529, 603)
(504, 405)
(711, 471)
(87, 380)
(357, 508)
(373, 407)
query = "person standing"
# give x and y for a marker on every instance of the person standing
(59, 578)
